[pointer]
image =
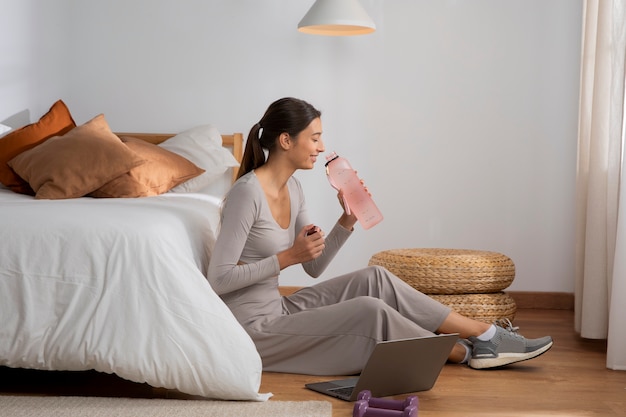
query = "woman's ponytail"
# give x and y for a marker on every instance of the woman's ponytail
(253, 155)
(286, 115)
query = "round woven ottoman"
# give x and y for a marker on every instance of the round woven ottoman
(468, 281)
(483, 307)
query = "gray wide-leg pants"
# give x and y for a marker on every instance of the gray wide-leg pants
(331, 328)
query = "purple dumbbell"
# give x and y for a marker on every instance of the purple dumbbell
(388, 404)
(362, 409)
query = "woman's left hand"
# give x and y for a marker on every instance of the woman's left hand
(346, 220)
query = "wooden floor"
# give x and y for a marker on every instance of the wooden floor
(569, 380)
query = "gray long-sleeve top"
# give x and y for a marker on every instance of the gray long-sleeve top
(244, 266)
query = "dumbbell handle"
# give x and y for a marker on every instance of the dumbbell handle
(362, 409)
(386, 403)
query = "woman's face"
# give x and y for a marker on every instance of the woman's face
(308, 145)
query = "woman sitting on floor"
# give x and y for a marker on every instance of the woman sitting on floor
(332, 327)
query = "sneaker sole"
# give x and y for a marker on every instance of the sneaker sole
(502, 360)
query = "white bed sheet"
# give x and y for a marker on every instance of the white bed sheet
(119, 286)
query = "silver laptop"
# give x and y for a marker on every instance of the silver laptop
(395, 367)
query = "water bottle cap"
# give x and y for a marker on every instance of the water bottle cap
(331, 156)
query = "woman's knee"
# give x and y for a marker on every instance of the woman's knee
(381, 275)
(378, 270)
(371, 305)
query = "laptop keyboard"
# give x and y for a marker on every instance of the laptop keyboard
(343, 391)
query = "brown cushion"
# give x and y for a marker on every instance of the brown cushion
(162, 171)
(77, 163)
(57, 121)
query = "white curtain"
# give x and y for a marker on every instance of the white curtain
(601, 180)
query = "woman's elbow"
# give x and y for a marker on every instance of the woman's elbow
(313, 273)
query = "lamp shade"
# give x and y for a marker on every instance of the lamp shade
(336, 18)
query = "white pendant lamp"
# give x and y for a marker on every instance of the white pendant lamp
(336, 18)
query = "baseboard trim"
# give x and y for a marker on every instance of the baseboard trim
(286, 290)
(523, 299)
(543, 300)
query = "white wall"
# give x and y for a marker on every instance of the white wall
(33, 58)
(461, 116)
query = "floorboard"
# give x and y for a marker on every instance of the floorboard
(569, 380)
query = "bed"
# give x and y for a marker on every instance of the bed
(118, 285)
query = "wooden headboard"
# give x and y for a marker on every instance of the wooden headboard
(234, 141)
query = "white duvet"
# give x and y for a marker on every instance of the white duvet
(119, 286)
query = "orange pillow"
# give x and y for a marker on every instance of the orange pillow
(77, 163)
(57, 121)
(162, 171)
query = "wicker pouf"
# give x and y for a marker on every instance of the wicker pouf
(449, 271)
(484, 307)
(468, 281)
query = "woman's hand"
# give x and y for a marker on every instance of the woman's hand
(346, 220)
(308, 245)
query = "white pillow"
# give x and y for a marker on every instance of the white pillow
(4, 129)
(202, 145)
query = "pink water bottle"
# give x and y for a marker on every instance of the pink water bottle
(356, 198)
